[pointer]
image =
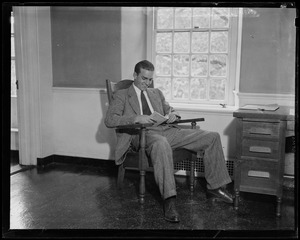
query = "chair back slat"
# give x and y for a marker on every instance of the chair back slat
(112, 87)
(124, 84)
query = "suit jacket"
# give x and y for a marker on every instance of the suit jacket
(124, 108)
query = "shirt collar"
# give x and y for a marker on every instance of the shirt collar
(137, 90)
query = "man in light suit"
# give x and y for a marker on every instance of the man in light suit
(127, 107)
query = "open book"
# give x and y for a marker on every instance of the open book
(158, 118)
(269, 107)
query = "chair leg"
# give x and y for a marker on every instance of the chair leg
(142, 165)
(192, 174)
(121, 173)
(142, 187)
(192, 170)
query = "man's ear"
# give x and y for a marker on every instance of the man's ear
(134, 75)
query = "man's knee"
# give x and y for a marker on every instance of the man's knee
(160, 150)
(215, 136)
(161, 144)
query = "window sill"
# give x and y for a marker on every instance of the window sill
(204, 108)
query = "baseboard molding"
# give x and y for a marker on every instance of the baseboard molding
(14, 154)
(92, 162)
(45, 161)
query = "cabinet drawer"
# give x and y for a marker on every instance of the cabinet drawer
(260, 148)
(258, 176)
(261, 129)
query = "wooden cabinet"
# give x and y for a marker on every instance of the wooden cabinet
(260, 152)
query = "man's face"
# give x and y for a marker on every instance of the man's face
(144, 79)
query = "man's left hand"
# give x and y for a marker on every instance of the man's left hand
(172, 118)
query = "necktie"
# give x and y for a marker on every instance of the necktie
(145, 106)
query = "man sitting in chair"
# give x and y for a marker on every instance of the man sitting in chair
(127, 108)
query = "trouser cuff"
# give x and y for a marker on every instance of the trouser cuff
(171, 193)
(215, 186)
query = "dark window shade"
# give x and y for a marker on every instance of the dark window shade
(86, 46)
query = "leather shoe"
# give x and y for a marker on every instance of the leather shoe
(170, 211)
(221, 194)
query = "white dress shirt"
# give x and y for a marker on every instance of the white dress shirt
(138, 93)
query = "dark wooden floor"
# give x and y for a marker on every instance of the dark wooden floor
(68, 197)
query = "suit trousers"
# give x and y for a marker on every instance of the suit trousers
(162, 140)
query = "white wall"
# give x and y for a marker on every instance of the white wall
(133, 43)
(79, 123)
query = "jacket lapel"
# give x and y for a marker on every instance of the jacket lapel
(133, 100)
(155, 101)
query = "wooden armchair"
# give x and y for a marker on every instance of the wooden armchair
(139, 160)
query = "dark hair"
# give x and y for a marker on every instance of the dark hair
(143, 65)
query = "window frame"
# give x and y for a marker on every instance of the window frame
(234, 57)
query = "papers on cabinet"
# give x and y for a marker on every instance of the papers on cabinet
(268, 107)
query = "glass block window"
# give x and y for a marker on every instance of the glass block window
(192, 53)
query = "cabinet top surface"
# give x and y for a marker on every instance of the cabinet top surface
(282, 113)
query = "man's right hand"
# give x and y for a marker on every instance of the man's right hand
(143, 119)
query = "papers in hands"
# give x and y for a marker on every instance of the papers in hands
(158, 118)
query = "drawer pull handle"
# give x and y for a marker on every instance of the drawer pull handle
(261, 174)
(260, 149)
(260, 132)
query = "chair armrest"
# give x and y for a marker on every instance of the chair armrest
(145, 125)
(190, 120)
(134, 126)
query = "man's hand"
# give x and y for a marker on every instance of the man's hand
(143, 119)
(172, 118)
